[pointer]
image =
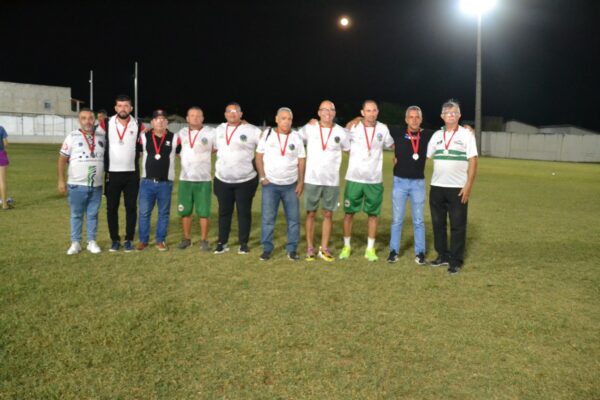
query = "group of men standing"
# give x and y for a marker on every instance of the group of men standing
(277, 159)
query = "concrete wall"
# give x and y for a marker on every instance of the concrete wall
(35, 99)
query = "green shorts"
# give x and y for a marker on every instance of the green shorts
(192, 195)
(314, 193)
(355, 193)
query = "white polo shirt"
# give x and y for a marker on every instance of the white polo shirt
(450, 170)
(196, 150)
(121, 153)
(281, 154)
(366, 153)
(235, 152)
(324, 148)
(85, 168)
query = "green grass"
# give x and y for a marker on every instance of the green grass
(522, 321)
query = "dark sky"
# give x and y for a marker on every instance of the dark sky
(540, 57)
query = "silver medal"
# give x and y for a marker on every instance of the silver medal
(446, 152)
(121, 142)
(93, 155)
(157, 156)
(415, 156)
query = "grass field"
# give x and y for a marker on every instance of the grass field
(521, 321)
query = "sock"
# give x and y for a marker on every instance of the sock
(370, 243)
(347, 241)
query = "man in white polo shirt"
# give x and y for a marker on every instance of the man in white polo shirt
(364, 178)
(454, 153)
(235, 177)
(195, 186)
(325, 142)
(280, 160)
(83, 151)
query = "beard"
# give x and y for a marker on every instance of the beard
(123, 115)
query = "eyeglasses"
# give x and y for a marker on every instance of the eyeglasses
(452, 113)
(327, 109)
(231, 111)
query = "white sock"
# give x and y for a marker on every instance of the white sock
(347, 241)
(370, 243)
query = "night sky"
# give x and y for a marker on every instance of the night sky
(540, 57)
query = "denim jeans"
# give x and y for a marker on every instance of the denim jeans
(414, 191)
(152, 193)
(84, 200)
(271, 195)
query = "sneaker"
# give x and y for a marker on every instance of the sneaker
(74, 249)
(293, 256)
(420, 259)
(115, 246)
(185, 243)
(265, 256)
(221, 248)
(244, 249)
(325, 254)
(141, 246)
(438, 262)
(310, 254)
(204, 246)
(370, 254)
(128, 246)
(345, 252)
(453, 270)
(161, 246)
(93, 247)
(393, 257)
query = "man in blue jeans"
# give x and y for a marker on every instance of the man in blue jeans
(409, 183)
(280, 161)
(83, 151)
(158, 149)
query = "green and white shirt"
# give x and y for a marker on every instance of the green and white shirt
(86, 167)
(450, 156)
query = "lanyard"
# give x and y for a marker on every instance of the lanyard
(157, 148)
(369, 144)
(91, 146)
(414, 142)
(447, 144)
(228, 139)
(119, 134)
(282, 150)
(324, 144)
(192, 142)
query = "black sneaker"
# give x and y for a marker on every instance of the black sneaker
(420, 259)
(293, 256)
(185, 243)
(265, 256)
(116, 245)
(393, 257)
(453, 270)
(439, 262)
(128, 246)
(244, 249)
(221, 248)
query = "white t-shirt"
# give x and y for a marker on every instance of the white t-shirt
(84, 169)
(365, 165)
(450, 170)
(121, 153)
(281, 169)
(324, 153)
(234, 159)
(196, 150)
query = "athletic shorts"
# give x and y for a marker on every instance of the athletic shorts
(355, 193)
(3, 158)
(194, 195)
(314, 193)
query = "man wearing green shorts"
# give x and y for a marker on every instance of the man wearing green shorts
(364, 178)
(195, 188)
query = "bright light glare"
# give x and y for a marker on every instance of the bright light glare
(477, 7)
(344, 22)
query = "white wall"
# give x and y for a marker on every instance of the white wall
(26, 98)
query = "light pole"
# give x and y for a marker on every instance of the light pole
(477, 7)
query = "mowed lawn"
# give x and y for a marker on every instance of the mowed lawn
(521, 321)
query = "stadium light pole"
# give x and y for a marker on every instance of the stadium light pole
(91, 90)
(477, 8)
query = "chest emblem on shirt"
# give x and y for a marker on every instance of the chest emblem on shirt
(80, 144)
(337, 139)
(243, 138)
(459, 142)
(291, 146)
(379, 137)
(101, 143)
(204, 141)
(168, 143)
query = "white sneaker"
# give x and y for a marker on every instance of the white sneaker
(74, 249)
(93, 247)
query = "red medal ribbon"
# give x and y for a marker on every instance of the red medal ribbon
(228, 139)
(162, 139)
(414, 143)
(369, 145)
(287, 137)
(119, 134)
(192, 142)
(446, 145)
(90, 146)
(324, 144)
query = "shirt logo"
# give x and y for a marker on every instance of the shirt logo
(337, 139)
(243, 138)
(204, 141)
(100, 143)
(291, 146)
(379, 137)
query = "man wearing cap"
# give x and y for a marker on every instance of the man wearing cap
(280, 160)
(454, 153)
(364, 178)
(235, 176)
(158, 148)
(121, 164)
(195, 186)
(325, 142)
(83, 152)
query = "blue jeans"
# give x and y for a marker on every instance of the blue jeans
(413, 190)
(84, 200)
(152, 193)
(271, 195)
